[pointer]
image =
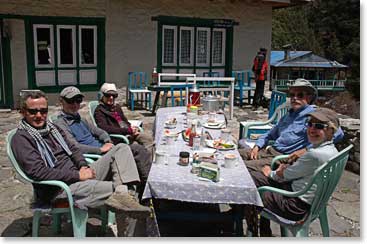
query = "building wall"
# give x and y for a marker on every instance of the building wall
(131, 35)
(18, 57)
(80, 8)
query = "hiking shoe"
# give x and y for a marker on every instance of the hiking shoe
(126, 204)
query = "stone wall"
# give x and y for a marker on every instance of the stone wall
(351, 128)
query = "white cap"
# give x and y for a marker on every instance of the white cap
(109, 88)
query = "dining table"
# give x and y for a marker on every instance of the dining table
(172, 181)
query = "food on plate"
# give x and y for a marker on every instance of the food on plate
(186, 134)
(171, 121)
(219, 144)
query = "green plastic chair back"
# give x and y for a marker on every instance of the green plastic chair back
(78, 217)
(92, 105)
(324, 180)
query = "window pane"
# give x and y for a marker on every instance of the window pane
(66, 46)
(202, 47)
(43, 45)
(87, 46)
(168, 46)
(185, 46)
(217, 46)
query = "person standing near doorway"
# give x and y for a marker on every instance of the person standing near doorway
(260, 69)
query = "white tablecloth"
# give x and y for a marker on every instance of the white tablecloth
(175, 182)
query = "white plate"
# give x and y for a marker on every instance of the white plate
(210, 143)
(206, 152)
(219, 125)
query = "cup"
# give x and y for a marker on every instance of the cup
(225, 134)
(196, 143)
(230, 160)
(212, 117)
(160, 157)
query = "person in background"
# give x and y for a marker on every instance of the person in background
(45, 153)
(289, 135)
(260, 69)
(93, 140)
(321, 126)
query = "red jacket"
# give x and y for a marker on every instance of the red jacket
(260, 72)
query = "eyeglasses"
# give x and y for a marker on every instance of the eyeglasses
(74, 100)
(298, 95)
(34, 111)
(318, 126)
(108, 95)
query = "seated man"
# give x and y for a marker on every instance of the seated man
(289, 134)
(45, 153)
(91, 139)
(321, 126)
(110, 118)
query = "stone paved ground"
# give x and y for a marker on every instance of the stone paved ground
(15, 196)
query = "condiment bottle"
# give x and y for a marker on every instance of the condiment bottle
(192, 134)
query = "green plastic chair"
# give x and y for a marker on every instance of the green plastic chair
(78, 217)
(261, 127)
(91, 158)
(324, 180)
(92, 105)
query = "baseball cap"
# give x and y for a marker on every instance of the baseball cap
(109, 88)
(300, 82)
(325, 115)
(70, 92)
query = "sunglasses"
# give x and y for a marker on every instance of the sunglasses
(319, 126)
(74, 100)
(34, 111)
(108, 95)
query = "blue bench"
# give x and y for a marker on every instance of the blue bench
(243, 84)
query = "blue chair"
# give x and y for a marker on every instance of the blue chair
(277, 109)
(324, 182)
(243, 83)
(177, 94)
(137, 88)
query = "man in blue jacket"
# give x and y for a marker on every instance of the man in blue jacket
(290, 133)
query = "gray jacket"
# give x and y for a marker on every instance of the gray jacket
(98, 133)
(301, 171)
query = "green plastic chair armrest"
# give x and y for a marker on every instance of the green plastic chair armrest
(263, 189)
(277, 158)
(95, 156)
(124, 138)
(60, 184)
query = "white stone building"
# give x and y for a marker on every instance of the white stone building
(49, 44)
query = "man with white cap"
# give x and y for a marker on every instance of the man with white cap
(289, 134)
(321, 125)
(91, 139)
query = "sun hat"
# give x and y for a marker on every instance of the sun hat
(109, 88)
(70, 92)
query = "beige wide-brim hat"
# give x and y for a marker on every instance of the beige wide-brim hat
(303, 83)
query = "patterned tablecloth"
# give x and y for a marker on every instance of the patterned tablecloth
(172, 181)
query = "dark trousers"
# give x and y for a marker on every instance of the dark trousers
(259, 92)
(292, 208)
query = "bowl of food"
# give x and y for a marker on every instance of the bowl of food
(170, 123)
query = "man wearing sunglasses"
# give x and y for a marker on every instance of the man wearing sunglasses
(45, 153)
(321, 126)
(289, 134)
(91, 139)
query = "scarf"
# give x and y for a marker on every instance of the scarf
(45, 151)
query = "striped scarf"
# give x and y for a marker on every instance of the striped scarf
(45, 151)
